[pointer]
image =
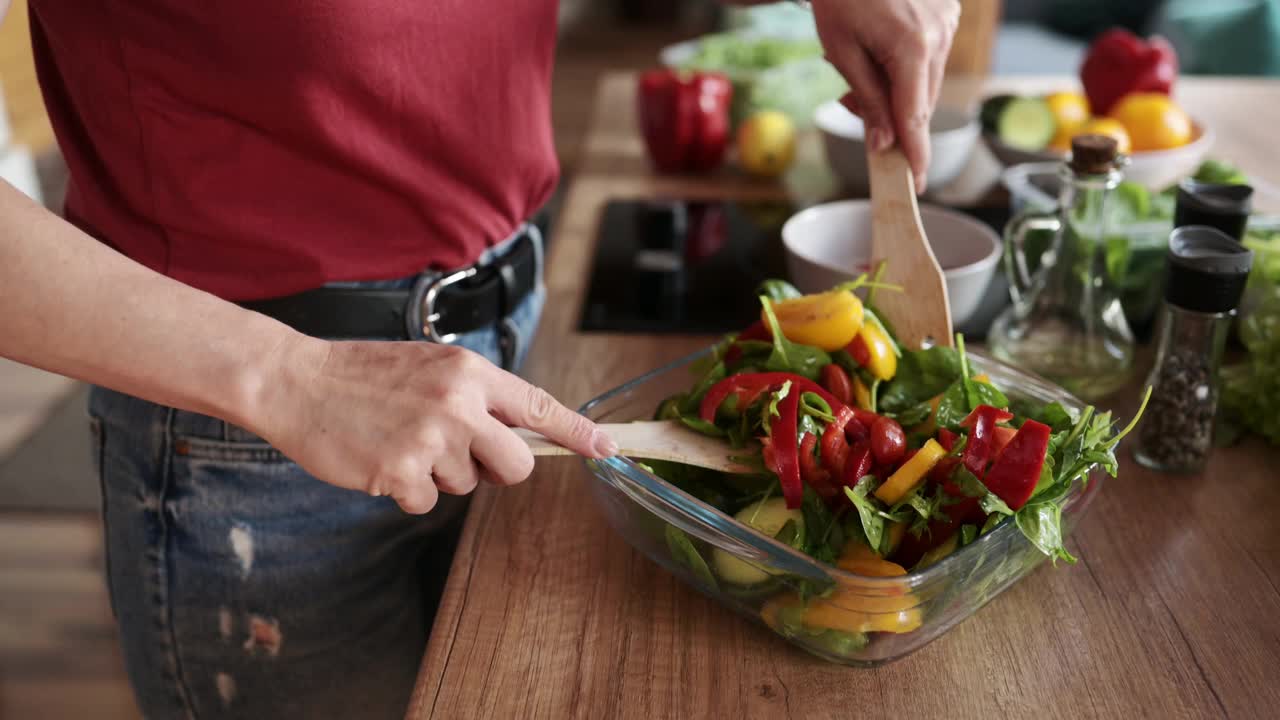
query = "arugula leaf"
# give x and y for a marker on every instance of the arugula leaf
(872, 520)
(991, 503)
(686, 553)
(776, 290)
(921, 375)
(771, 410)
(787, 356)
(968, 483)
(824, 538)
(1042, 524)
(812, 404)
(690, 404)
(702, 426)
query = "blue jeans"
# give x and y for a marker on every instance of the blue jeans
(246, 588)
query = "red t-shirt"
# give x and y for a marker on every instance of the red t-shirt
(257, 149)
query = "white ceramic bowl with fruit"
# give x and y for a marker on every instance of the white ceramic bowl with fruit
(1163, 144)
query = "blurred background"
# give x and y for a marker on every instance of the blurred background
(58, 656)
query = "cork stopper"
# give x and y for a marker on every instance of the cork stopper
(1093, 154)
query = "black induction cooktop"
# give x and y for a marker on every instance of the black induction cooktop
(679, 266)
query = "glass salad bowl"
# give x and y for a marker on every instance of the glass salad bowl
(880, 619)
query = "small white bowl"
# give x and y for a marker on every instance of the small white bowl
(831, 243)
(1154, 169)
(952, 137)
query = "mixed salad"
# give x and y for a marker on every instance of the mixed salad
(872, 458)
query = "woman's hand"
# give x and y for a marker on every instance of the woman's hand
(892, 53)
(410, 420)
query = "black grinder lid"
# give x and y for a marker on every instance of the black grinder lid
(1207, 269)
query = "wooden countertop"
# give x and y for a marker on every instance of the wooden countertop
(1172, 611)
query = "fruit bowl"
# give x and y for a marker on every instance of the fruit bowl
(1155, 169)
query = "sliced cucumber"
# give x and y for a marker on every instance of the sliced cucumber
(769, 517)
(991, 109)
(1026, 123)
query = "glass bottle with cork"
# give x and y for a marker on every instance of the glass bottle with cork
(1208, 270)
(1066, 322)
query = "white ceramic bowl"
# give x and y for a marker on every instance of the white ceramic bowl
(952, 137)
(831, 243)
(1155, 169)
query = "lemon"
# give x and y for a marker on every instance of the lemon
(1109, 127)
(1070, 112)
(1154, 122)
(766, 143)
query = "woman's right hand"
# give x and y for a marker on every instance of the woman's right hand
(409, 419)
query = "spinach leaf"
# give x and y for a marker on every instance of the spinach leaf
(846, 361)
(1042, 524)
(824, 537)
(993, 521)
(686, 553)
(803, 360)
(921, 375)
(705, 485)
(954, 406)
(913, 415)
(1056, 417)
(986, 394)
(776, 290)
(968, 483)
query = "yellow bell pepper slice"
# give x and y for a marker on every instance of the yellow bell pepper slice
(883, 362)
(826, 320)
(851, 610)
(911, 473)
(861, 394)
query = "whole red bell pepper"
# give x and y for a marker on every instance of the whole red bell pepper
(1119, 63)
(684, 118)
(786, 452)
(1016, 470)
(978, 449)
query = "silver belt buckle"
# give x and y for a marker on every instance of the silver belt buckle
(429, 314)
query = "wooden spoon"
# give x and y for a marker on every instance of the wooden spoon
(921, 313)
(658, 440)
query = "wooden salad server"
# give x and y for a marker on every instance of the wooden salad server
(659, 440)
(921, 313)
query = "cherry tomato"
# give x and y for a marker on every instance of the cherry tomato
(888, 441)
(836, 381)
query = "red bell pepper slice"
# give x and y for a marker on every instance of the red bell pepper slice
(835, 379)
(783, 433)
(1016, 471)
(847, 426)
(756, 383)
(813, 474)
(981, 423)
(946, 439)
(857, 463)
(1000, 438)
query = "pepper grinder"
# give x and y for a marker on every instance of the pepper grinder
(1207, 274)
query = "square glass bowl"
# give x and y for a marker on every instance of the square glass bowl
(679, 532)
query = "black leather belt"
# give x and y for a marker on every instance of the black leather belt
(438, 308)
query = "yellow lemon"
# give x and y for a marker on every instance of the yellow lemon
(1109, 127)
(1070, 112)
(1154, 122)
(767, 143)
